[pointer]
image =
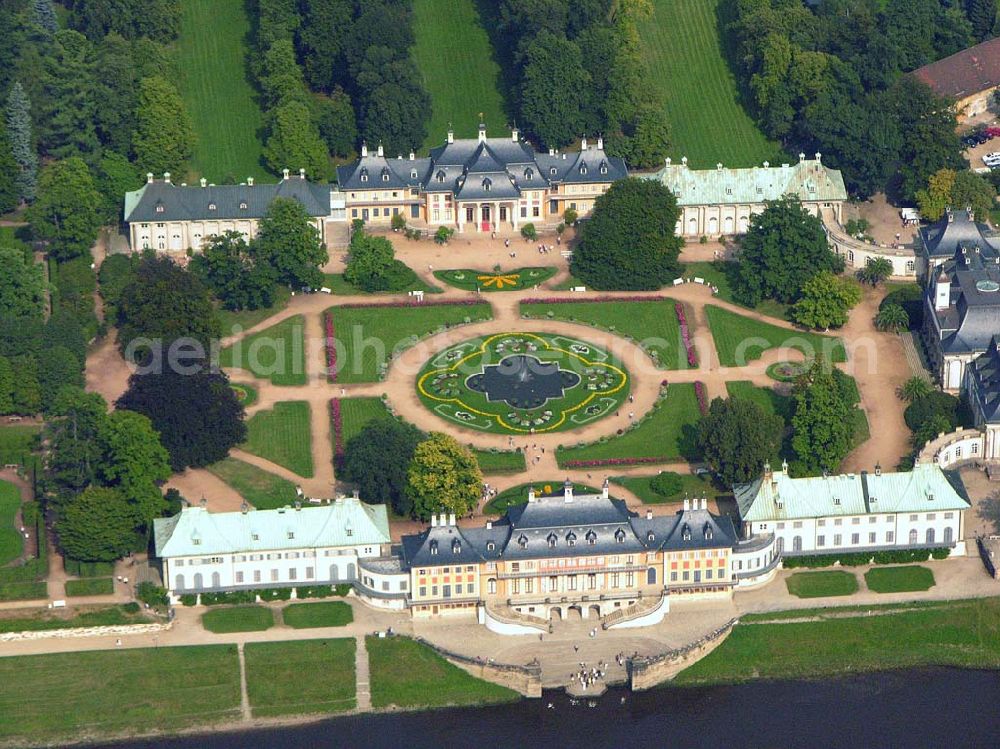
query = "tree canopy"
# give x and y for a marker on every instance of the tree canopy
(290, 242)
(164, 137)
(21, 285)
(443, 477)
(629, 242)
(823, 423)
(737, 437)
(97, 526)
(378, 459)
(825, 301)
(66, 212)
(231, 267)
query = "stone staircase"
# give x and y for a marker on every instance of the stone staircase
(636, 610)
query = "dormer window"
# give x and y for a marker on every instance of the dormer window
(708, 532)
(650, 536)
(552, 171)
(487, 184)
(729, 191)
(291, 535)
(413, 174)
(196, 541)
(571, 539)
(350, 531)
(620, 536)
(434, 548)
(686, 532)
(552, 540)
(255, 537)
(160, 208)
(490, 546)
(604, 167)
(591, 538)
(583, 168)
(364, 174)
(211, 206)
(439, 176)
(456, 547)
(243, 206)
(529, 173)
(522, 541)
(385, 175)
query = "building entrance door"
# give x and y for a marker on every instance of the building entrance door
(485, 213)
(503, 214)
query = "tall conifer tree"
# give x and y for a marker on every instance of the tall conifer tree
(18, 117)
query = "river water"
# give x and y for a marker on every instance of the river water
(914, 708)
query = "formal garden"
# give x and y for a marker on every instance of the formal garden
(495, 280)
(523, 383)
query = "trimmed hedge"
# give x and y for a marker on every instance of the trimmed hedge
(314, 591)
(858, 559)
(232, 596)
(275, 594)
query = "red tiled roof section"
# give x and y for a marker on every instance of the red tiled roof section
(964, 73)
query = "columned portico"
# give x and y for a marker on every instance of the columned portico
(487, 217)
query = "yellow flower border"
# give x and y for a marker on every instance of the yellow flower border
(499, 419)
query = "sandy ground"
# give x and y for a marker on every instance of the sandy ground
(884, 219)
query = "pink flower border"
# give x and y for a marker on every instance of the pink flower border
(594, 299)
(692, 355)
(331, 349)
(337, 427)
(615, 462)
(699, 390)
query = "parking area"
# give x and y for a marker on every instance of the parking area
(975, 153)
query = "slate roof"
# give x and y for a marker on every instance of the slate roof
(809, 179)
(552, 526)
(383, 173)
(985, 373)
(780, 497)
(193, 203)
(344, 522)
(964, 73)
(962, 250)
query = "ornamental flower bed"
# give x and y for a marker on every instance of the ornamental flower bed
(594, 299)
(331, 349)
(614, 462)
(699, 390)
(338, 435)
(685, 335)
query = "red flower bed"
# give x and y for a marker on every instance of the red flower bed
(338, 436)
(595, 299)
(692, 356)
(699, 390)
(614, 462)
(331, 349)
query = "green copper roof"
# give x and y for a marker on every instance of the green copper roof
(780, 497)
(344, 522)
(809, 180)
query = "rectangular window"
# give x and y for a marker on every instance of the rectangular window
(872, 519)
(855, 521)
(592, 582)
(821, 523)
(821, 540)
(293, 574)
(838, 521)
(855, 538)
(871, 538)
(889, 537)
(836, 539)
(781, 526)
(274, 576)
(256, 576)
(708, 574)
(354, 213)
(239, 578)
(572, 582)
(310, 573)
(687, 575)
(434, 590)
(516, 586)
(385, 585)
(931, 516)
(423, 591)
(529, 585)
(458, 589)
(673, 577)
(415, 210)
(446, 591)
(797, 524)
(913, 518)
(535, 211)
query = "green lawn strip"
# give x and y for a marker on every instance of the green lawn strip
(667, 433)
(899, 579)
(18, 444)
(91, 586)
(698, 89)
(356, 412)
(74, 618)
(323, 614)
(692, 487)
(44, 698)
(518, 495)
(650, 323)
(719, 273)
(301, 677)
(211, 59)
(238, 619)
(832, 611)
(821, 584)
(502, 461)
(283, 436)
(339, 286)
(739, 339)
(263, 490)
(24, 591)
(517, 279)
(955, 633)
(11, 540)
(368, 336)
(771, 401)
(246, 319)
(409, 674)
(276, 353)
(458, 69)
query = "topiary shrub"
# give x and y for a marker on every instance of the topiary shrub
(314, 591)
(275, 594)
(189, 599)
(131, 607)
(342, 589)
(151, 594)
(666, 484)
(229, 597)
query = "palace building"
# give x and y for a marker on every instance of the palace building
(720, 201)
(176, 218)
(482, 184)
(851, 512)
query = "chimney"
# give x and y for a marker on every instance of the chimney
(942, 291)
(412, 156)
(364, 149)
(244, 507)
(552, 152)
(434, 520)
(514, 135)
(878, 469)
(784, 466)
(684, 160)
(451, 518)
(687, 504)
(250, 181)
(166, 177)
(649, 514)
(380, 151)
(356, 494)
(704, 503)
(204, 182)
(767, 164)
(568, 490)
(802, 157)
(718, 167)
(605, 488)
(482, 131)
(531, 494)
(284, 173)
(600, 142)
(583, 143)
(451, 135)
(489, 525)
(767, 469)
(667, 161)
(149, 177)
(819, 156)
(302, 173)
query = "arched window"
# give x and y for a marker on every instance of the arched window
(334, 573)
(179, 582)
(948, 535)
(198, 583)
(385, 175)
(552, 540)
(491, 586)
(797, 543)
(620, 536)
(243, 206)
(487, 184)
(160, 208)
(211, 206)
(604, 167)
(571, 538)
(779, 545)
(529, 173)
(216, 580)
(440, 176)
(591, 538)
(930, 535)
(552, 171)
(583, 168)
(913, 536)
(522, 541)
(351, 574)
(434, 548)
(651, 576)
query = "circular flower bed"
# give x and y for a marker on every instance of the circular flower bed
(787, 371)
(245, 394)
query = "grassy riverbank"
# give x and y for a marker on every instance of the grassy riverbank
(957, 633)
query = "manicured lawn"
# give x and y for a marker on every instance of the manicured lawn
(212, 61)
(29, 590)
(263, 490)
(248, 318)
(276, 353)
(455, 58)
(504, 280)
(958, 633)
(17, 442)
(11, 540)
(367, 336)
(408, 674)
(299, 678)
(692, 487)
(338, 286)
(666, 434)
(282, 435)
(506, 461)
(739, 339)
(323, 614)
(94, 586)
(767, 398)
(651, 324)
(356, 412)
(238, 619)
(683, 51)
(719, 273)
(899, 579)
(820, 584)
(518, 495)
(107, 616)
(45, 698)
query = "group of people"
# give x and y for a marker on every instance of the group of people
(589, 675)
(545, 249)
(488, 492)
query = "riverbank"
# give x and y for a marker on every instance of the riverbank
(819, 643)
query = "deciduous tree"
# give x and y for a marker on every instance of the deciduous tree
(294, 141)
(235, 272)
(21, 285)
(377, 461)
(291, 243)
(164, 137)
(825, 301)
(134, 462)
(552, 80)
(823, 424)
(57, 368)
(737, 437)
(66, 212)
(98, 525)
(443, 477)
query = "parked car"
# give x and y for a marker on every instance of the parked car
(992, 158)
